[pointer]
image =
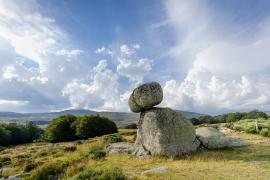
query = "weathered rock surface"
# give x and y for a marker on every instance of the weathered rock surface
(18, 176)
(120, 148)
(212, 138)
(161, 169)
(162, 131)
(145, 96)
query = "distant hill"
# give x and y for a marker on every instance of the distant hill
(121, 118)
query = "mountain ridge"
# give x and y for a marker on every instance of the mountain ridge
(121, 118)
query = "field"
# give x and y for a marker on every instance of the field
(251, 162)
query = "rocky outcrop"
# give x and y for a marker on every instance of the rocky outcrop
(145, 97)
(120, 148)
(162, 131)
(212, 138)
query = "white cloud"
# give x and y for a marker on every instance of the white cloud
(20, 73)
(12, 102)
(126, 50)
(101, 93)
(224, 73)
(104, 51)
(134, 71)
(69, 53)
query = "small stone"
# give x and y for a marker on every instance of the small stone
(161, 169)
(120, 148)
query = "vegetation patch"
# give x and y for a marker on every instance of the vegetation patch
(113, 173)
(253, 126)
(5, 161)
(97, 152)
(113, 138)
(69, 128)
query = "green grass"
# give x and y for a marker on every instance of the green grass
(249, 126)
(251, 162)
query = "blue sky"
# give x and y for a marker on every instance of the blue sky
(209, 56)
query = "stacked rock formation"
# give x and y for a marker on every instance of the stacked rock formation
(161, 131)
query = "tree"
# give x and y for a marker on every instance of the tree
(34, 132)
(61, 129)
(92, 126)
(5, 136)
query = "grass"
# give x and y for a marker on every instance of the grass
(249, 126)
(251, 162)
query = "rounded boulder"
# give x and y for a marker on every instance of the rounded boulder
(145, 97)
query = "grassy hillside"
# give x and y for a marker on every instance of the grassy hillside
(121, 118)
(251, 162)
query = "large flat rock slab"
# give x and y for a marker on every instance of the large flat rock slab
(212, 138)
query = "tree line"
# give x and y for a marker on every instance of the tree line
(229, 117)
(63, 128)
(13, 133)
(70, 127)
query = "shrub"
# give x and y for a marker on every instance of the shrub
(23, 156)
(70, 148)
(48, 171)
(4, 161)
(251, 129)
(113, 173)
(264, 132)
(12, 134)
(92, 126)
(112, 138)
(97, 152)
(69, 127)
(131, 126)
(61, 129)
(29, 166)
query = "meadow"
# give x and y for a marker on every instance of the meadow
(72, 160)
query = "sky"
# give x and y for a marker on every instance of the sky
(209, 56)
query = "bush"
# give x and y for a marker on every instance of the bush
(30, 165)
(265, 132)
(92, 126)
(12, 134)
(97, 152)
(61, 129)
(69, 127)
(70, 148)
(48, 171)
(131, 126)
(4, 161)
(113, 173)
(251, 129)
(112, 138)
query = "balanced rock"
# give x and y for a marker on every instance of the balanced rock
(145, 97)
(212, 138)
(162, 131)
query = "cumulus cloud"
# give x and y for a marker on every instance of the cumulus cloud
(129, 65)
(100, 93)
(35, 52)
(224, 73)
(69, 53)
(135, 69)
